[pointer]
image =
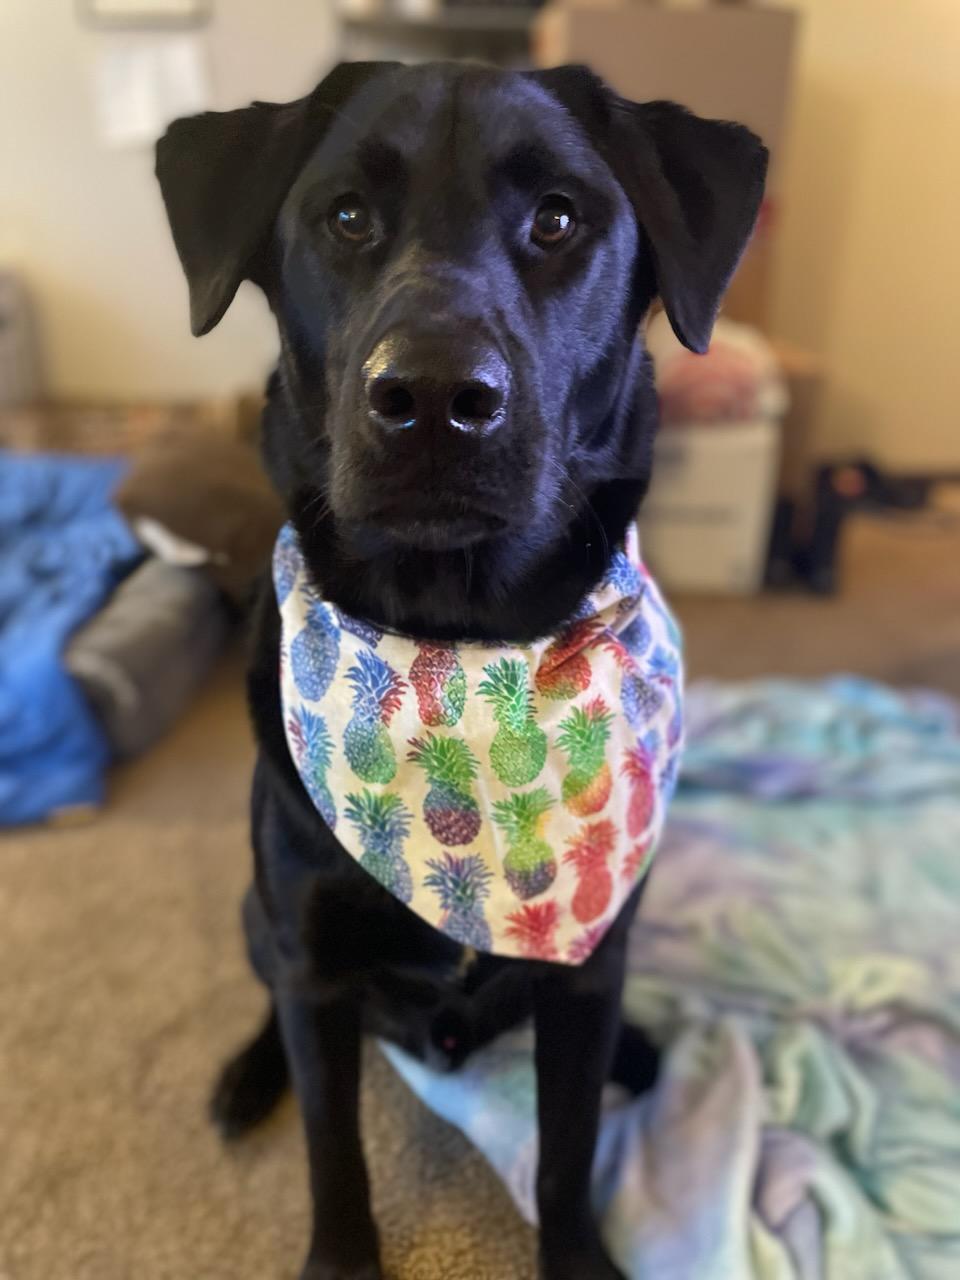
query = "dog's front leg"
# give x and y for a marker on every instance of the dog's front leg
(322, 1042)
(577, 1020)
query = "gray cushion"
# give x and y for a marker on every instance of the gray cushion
(143, 656)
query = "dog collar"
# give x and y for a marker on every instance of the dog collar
(511, 795)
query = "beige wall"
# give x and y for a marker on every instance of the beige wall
(85, 223)
(869, 264)
(869, 271)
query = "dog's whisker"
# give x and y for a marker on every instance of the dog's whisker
(588, 506)
(314, 500)
(317, 506)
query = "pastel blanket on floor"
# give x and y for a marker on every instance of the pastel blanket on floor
(798, 958)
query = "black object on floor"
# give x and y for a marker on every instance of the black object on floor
(805, 553)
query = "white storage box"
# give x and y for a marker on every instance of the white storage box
(705, 524)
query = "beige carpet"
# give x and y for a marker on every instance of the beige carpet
(122, 987)
(897, 617)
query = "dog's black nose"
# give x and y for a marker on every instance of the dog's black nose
(436, 385)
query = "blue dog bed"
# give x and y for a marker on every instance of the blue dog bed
(63, 548)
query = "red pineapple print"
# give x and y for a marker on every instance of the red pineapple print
(440, 684)
(588, 852)
(534, 928)
(564, 669)
(295, 731)
(638, 769)
(618, 651)
(634, 862)
(582, 947)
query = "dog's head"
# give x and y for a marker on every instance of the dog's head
(458, 259)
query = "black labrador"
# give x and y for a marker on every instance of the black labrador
(467, 254)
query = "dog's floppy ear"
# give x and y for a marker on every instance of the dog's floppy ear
(695, 186)
(224, 175)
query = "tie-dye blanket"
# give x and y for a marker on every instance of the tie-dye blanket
(798, 958)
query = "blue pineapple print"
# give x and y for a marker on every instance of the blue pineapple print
(313, 748)
(675, 727)
(377, 694)
(674, 634)
(383, 824)
(636, 636)
(640, 698)
(623, 575)
(365, 631)
(286, 562)
(314, 650)
(462, 884)
(665, 668)
(668, 778)
(664, 665)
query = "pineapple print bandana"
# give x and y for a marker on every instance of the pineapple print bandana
(512, 796)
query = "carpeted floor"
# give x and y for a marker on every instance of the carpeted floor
(123, 986)
(896, 618)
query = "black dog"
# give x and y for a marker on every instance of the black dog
(458, 259)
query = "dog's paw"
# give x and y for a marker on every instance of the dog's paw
(250, 1086)
(316, 1270)
(579, 1264)
(636, 1063)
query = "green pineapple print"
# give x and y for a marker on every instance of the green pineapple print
(583, 737)
(313, 748)
(383, 824)
(529, 867)
(519, 747)
(377, 694)
(449, 809)
(461, 884)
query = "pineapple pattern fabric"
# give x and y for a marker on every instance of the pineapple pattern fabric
(511, 795)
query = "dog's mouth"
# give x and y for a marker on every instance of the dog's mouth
(435, 526)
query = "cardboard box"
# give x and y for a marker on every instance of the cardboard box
(749, 294)
(732, 62)
(800, 452)
(705, 524)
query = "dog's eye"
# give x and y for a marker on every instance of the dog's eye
(554, 221)
(350, 219)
